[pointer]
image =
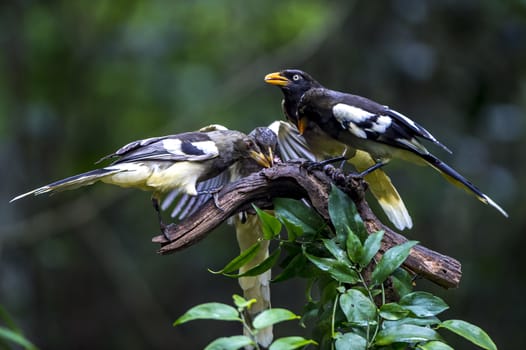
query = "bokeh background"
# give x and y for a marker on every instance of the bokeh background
(78, 79)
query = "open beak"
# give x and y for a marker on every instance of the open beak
(302, 125)
(276, 79)
(270, 156)
(263, 160)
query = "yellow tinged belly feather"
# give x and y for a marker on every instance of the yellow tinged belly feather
(158, 177)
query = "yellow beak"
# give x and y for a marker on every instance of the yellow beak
(276, 79)
(265, 161)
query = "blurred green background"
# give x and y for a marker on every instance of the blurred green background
(78, 79)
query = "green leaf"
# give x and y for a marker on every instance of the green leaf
(210, 311)
(272, 316)
(240, 260)
(243, 303)
(393, 311)
(335, 250)
(354, 246)
(291, 211)
(270, 225)
(343, 214)
(371, 247)
(357, 307)
(423, 304)
(15, 337)
(350, 341)
(338, 270)
(290, 343)
(344, 273)
(425, 321)
(293, 231)
(391, 260)
(292, 269)
(402, 281)
(434, 345)
(470, 332)
(263, 266)
(405, 334)
(230, 343)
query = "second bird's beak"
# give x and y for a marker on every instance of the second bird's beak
(276, 79)
(264, 160)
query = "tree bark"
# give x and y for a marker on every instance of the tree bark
(293, 180)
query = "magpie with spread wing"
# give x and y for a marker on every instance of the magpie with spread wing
(247, 226)
(329, 118)
(161, 164)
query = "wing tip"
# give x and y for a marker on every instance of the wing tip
(490, 201)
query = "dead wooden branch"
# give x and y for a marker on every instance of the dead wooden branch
(294, 181)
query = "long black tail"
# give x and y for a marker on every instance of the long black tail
(71, 182)
(458, 180)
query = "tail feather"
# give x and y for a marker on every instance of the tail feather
(458, 180)
(384, 191)
(70, 183)
(255, 287)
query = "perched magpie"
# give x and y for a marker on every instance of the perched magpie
(329, 118)
(292, 145)
(161, 164)
(247, 226)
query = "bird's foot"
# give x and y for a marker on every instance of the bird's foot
(310, 166)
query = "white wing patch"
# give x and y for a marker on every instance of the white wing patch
(208, 147)
(348, 116)
(173, 146)
(345, 113)
(381, 124)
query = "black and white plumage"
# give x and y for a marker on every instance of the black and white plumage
(161, 164)
(247, 226)
(361, 124)
(292, 145)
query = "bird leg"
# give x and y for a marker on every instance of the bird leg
(370, 169)
(319, 165)
(162, 225)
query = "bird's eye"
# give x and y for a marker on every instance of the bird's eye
(296, 77)
(249, 144)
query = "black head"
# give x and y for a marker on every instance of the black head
(293, 80)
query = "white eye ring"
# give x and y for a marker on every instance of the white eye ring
(296, 77)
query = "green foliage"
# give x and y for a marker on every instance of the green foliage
(212, 311)
(224, 312)
(270, 226)
(350, 310)
(10, 333)
(470, 332)
(246, 256)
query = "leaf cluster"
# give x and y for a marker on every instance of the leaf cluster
(348, 305)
